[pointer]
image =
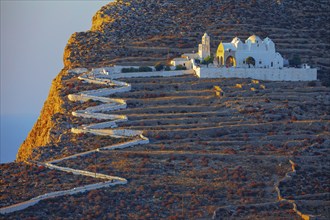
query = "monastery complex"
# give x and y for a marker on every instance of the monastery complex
(255, 58)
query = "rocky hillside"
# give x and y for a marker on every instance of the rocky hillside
(123, 31)
(204, 149)
(146, 31)
(207, 156)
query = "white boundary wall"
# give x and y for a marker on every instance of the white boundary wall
(115, 73)
(116, 69)
(152, 74)
(285, 74)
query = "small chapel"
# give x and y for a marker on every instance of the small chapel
(254, 52)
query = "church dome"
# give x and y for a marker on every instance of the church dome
(254, 39)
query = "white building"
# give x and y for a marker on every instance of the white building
(183, 61)
(204, 50)
(254, 53)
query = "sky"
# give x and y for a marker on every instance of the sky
(33, 37)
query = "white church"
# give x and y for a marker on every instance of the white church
(253, 53)
(255, 58)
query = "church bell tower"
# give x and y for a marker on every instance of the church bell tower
(204, 48)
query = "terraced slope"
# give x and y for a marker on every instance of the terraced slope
(178, 111)
(210, 156)
(145, 31)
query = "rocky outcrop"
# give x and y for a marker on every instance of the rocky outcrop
(101, 18)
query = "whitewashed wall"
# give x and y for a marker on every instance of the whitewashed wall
(285, 74)
(151, 74)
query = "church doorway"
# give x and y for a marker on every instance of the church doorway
(230, 61)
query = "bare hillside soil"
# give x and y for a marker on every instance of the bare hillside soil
(211, 155)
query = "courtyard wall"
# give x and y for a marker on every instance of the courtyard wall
(285, 74)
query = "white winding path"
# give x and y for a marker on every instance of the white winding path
(104, 128)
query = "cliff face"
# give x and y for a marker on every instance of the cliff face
(40, 135)
(125, 31)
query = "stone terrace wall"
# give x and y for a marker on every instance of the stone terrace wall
(286, 74)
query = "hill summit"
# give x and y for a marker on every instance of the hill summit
(127, 31)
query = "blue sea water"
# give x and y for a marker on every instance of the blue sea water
(14, 130)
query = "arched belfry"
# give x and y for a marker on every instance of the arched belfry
(204, 49)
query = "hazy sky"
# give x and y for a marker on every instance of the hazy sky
(33, 37)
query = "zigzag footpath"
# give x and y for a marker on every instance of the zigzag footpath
(103, 128)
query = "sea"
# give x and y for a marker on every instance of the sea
(14, 130)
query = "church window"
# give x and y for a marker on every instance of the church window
(271, 64)
(260, 62)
